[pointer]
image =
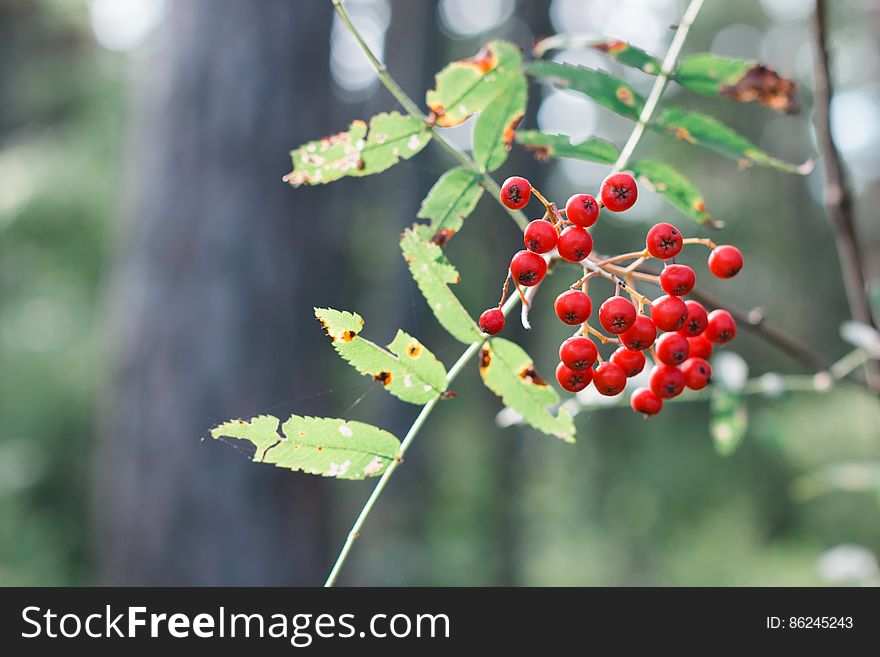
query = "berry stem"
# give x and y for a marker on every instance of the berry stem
(699, 240)
(623, 256)
(604, 339)
(547, 204)
(504, 289)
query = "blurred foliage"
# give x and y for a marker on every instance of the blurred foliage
(632, 502)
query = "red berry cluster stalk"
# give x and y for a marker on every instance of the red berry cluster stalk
(687, 332)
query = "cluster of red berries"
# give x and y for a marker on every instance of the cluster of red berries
(689, 333)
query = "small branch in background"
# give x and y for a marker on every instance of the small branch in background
(838, 196)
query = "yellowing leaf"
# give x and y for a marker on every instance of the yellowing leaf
(496, 125)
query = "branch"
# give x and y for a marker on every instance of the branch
(838, 197)
(518, 216)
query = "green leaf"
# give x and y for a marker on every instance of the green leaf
(729, 420)
(434, 274)
(508, 371)
(324, 446)
(452, 198)
(409, 372)
(628, 54)
(709, 132)
(605, 89)
(392, 137)
(554, 145)
(674, 187)
(468, 86)
(496, 125)
(739, 80)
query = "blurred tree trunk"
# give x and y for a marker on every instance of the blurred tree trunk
(211, 264)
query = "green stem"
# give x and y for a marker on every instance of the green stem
(518, 216)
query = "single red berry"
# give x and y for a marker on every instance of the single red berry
(697, 373)
(571, 380)
(646, 402)
(492, 321)
(578, 353)
(632, 362)
(666, 381)
(515, 192)
(617, 314)
(721, 328)
(700, 347)
(677, 280)
(672, 348)
(527, 268)
(609, 379)
(619, 192)
(725, 261)
(663, 241)
(640, 335)
(573, 307)
(582, 210)
(697, 320)
(669, 313)
(540, 236)
(574, 244)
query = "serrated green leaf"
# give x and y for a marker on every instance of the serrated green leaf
(737, 79)
(434, 274)
(729, 420)
(674, 187)
(496, 125)
(508, 371)
(452, 198)
(555, 145)
(409, 372)
(709, 132)
(624, 52)
(358, 152)
(468, 86)
(324, 446)
(613, 93)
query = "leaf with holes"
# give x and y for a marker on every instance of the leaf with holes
(709, 132)
(434, 274)
(409, 371)
(508, 371)
(452, 198)
(358, 152)
(468, 86)
(496, 125)
(324, 446)
(605, 89)
(674, 187)
(554, 145)
(739, 80)
(729, 420)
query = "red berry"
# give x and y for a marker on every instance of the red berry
(697, 319)
(677, 280)
(609, 379)
(725, 261)
(666, 381)
(540, 236)
(640, 335)
(617, 314)
(697, 373)
(672, 348)
(578, 353)
(669, 313)
(582, 210)
(571, 380)
(721, 328)
(515, 192)
(492, 321)
(645, 401)
(573, 307)
(574, 244)
(527, 268)
(663, 241)
(619, 192)
(700, 347)
(632, 362)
